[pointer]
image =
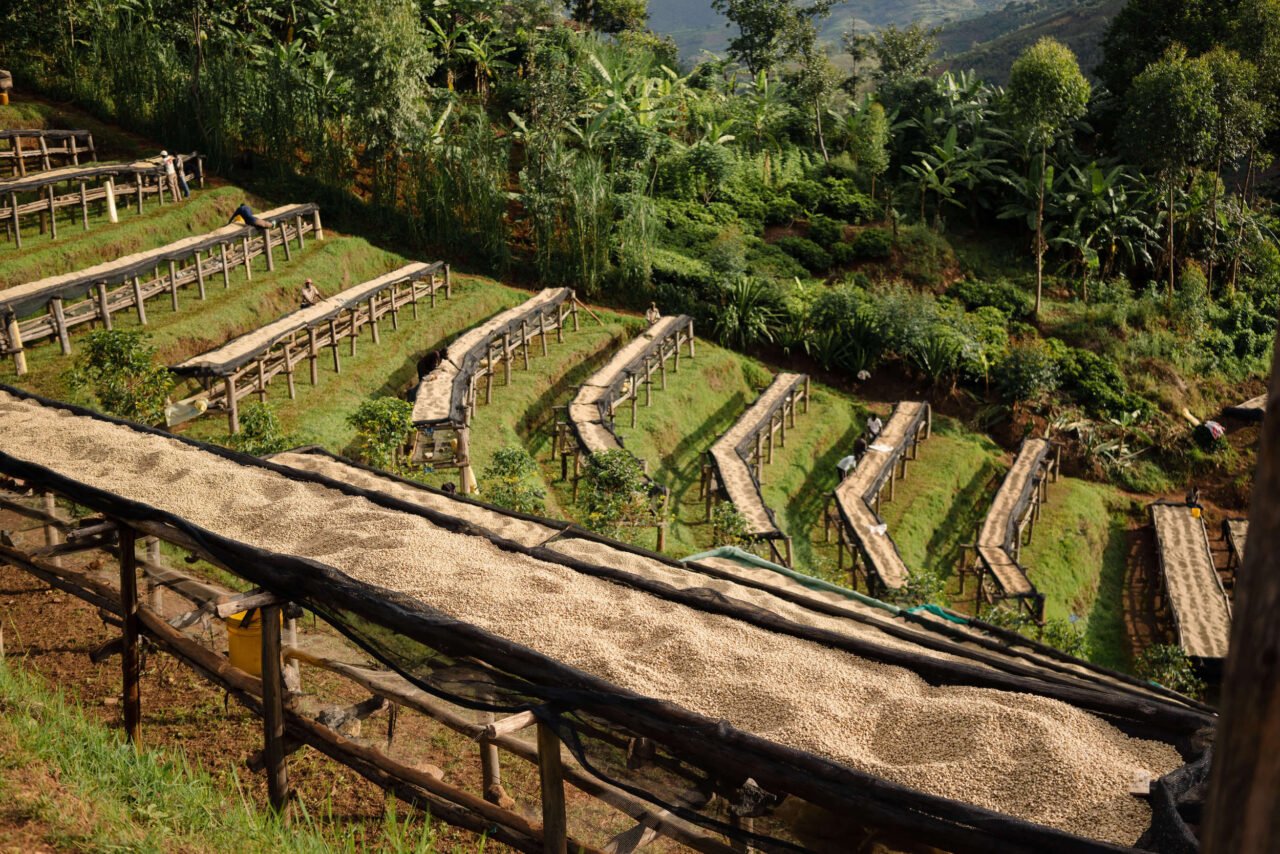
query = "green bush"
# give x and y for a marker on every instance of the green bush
(825, 231)
(1027, 370)
(260, 431)
(842, 200)
(615, 499)
(766, 259)
(508, 481)
(383, 426)
(843, 253)
(1010, 299)
(1143, 477)
(873, 243)
(807, 194)
(118, 370)
(781, 209)
(728, 525)
(1168, 665)
(814, 258)
(1097, 384)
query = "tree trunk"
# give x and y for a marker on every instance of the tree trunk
(1170, 242)
(1040, 228)
(1213, 217)
(1235, 263)
(817, 114)
(1243, 808)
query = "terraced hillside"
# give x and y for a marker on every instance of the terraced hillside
(936, 509)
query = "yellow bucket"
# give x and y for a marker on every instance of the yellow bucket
(244, 642)
(1195, 512)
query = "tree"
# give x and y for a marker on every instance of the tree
(1169, 124)
(901, 55)
(508, 481)
(260, 431)
(769, 31)
(869, 141)
(1239, 125)
(813, 80)
(612, 16)
(1143, 31)
(119, 371)
(1046, 93)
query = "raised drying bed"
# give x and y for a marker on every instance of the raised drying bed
(713, 685)
(855, 513)
(247, 363)
(1253, 409)
(84, 184)
(448, 394)
(228, 247)
(66, 147)
(1236, 532)
(605, 655)
(1201, 610)
(1013, 511)
(736, 461)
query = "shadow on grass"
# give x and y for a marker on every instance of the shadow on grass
(536, 418)
(970, 505)
(804, 512)
(1106, 629)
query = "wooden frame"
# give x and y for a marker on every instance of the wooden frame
(77, 144)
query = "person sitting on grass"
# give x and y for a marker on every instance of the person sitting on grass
(244, 216)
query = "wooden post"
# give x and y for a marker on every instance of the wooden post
(1241, 810)
(395, 307)
(635, 398)
(44, 153)
(84, 207)
(130, 659)
(138, 302)
(413, 295)
(53, 219)
(153, 557)
(312, 354)
(139, 182)
(233, 407)
(490, 770)
(173, 284)
(315, 222)
(288, 367)
(353, 318)
(770, 459)
(15, 342)
(103, 311)
(266, 250)
(60, 324)
(248, 265)
(542, 330)
(466, 479)
(112, 214)
(524, 343)
(284, 241)
(50, 531)
(13, 212)
(448, 283)
(333, 337)
(555, 828)
(200, 274)
(760, 458)
(560, 312)
(373, 321)
(273, 709)
(506, 358)
(226, 269)
(262, 380)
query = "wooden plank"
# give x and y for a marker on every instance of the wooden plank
(130, 658)
(273, 709)
(551, 785)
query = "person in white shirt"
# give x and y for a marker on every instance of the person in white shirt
(652, 315)
(874, 426)
(174, 176)
(310, 294)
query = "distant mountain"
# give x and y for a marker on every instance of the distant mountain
(697, 27)
(989, 43)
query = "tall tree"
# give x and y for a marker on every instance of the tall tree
(1046, 93)
(612, 16)
(1169, 121)
(769, 31)
(813, 80)
(1144, 30)
(900, 55)
(1238, 125)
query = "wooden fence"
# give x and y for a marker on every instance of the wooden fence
(75, 144)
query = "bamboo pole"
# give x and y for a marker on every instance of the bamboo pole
(60, 325)
(226, 268)
(104, 310)
(551, 785)
(15, 343)
(130, 658)
(273, 709)
(138, 302)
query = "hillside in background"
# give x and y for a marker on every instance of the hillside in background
(697, 27)
(989, 43)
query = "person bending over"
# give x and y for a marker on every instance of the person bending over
(244, 215)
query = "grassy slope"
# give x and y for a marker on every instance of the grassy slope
(82, 789)
(1077, 559)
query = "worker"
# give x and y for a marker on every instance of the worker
(173, 174)
(1193, 499)
(310, 294)
(430, 362)
(874, 426)
(846, 465)
(859, 448)
(244, 215)
(652, 315)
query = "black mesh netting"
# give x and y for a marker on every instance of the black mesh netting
(651, 748)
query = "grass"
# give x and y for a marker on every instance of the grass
(82, 788)
(942, 501)
(1077, 558)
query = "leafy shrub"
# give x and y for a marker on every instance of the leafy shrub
(781, 209)
(922, 588)
(1009, 298)
(118, 369)
(848, 331)
(806, 193)
(842, 200)
(766, 259)
(508, 481)
(1168, 665)
(1143, 476)
(726, 254)
(750, 314)
(843, 253)
(814, 258)
(614, 501)
(383, 426)
(825, 231)
(1098, 385)
(1026, 371)
(260, 431)
(1064, 635)
(873, 243)
(728, 525)
(935, 354)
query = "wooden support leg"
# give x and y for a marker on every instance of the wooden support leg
(138, 303)
(506, 359)
(60, 324)
(315, 222)
(200, 274)
(248, 262)
(373, 322)
(13, 213)
(84, 207)
(542, 331)
(15, 342)
(288, 368)
(490, 769)
(173, 284)
(53, 219)
(312, 353)
(353, 317)
(104, 311)
(448, 283)
(395, 307)
(140, 186)
(273, 709)
(432, 291)
(262, 380)
(51, 537)
(284, 241)
(233, 406)
(226, 269)
(266, 250)
(113, 215)
(635, 397)
(559, 321)
(333, 337)
(551, 778)
(130, 658)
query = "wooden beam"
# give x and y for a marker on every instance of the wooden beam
(130, 660)
(273, 709)
(555, 827)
